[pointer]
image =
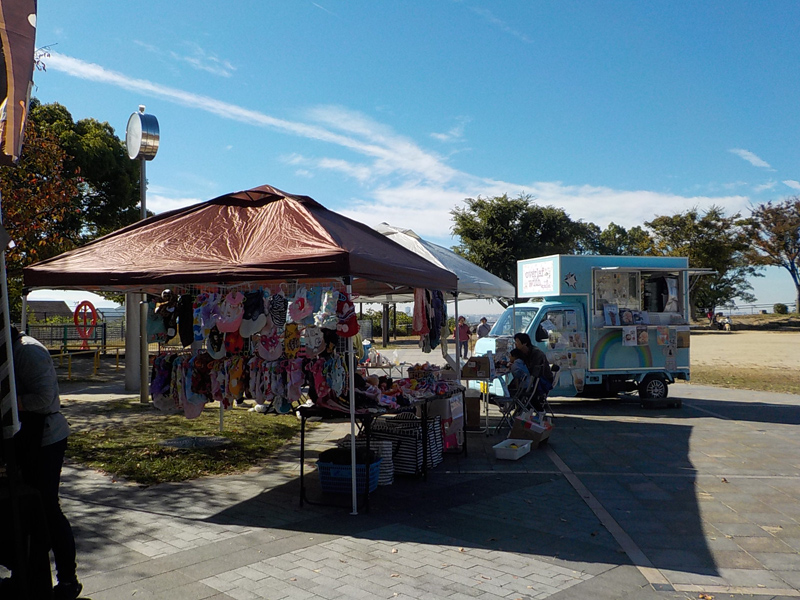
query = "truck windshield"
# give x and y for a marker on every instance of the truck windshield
(511, 321)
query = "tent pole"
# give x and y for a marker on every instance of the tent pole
(351, 384)
(144, 356)
(23, 319)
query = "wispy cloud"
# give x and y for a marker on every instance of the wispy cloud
(455, 134)
(330, 12)
(500, 24)
(195, 56)
(750, 157)
(795, 185)
(403, 183)
(770, 185)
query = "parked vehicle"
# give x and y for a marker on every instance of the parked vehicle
(613, 323)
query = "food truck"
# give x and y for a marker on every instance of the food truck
(612, 324)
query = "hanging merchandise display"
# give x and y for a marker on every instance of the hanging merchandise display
(430, 318)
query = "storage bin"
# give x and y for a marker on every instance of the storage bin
(504, 449)
(336, 479)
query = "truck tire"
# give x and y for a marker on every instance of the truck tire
(653, 387)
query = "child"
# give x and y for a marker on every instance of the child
(519, 370)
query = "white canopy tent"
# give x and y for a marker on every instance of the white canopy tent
(473, 281)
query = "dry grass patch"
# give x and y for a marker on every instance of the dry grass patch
(748, 378)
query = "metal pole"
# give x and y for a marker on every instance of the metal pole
(24, 316)
(351, 380)
(144, 393)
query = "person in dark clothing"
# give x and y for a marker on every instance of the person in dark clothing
(38, 398)
(535, 359)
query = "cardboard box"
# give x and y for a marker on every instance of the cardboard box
(478, 367)
(523, 430)
(473, 406)
(512, 449)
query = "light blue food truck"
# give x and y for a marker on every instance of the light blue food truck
(611, 323)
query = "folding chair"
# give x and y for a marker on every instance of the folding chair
(510, 406)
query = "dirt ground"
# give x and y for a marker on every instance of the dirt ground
(771, 349)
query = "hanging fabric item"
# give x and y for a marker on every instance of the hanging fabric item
(185, 314)
(269, 345)
(276, 307)
(253, 317)
(300, 309)
(215, 344)
(291, 340)
(167, 310)
(326, 317)
(346, 311)
(234, 342)
(236, 365)
(315, 341)
(419, 324)
(156, 332)
(294, 370)
(231, 312)
(209, 313)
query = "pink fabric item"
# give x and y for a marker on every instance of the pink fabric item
(419, 324)
(231, 312)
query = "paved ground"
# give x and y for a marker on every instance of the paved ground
(623, 503)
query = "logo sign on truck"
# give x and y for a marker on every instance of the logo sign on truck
(537, 278)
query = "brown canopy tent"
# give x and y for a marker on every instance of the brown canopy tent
(262, 234)
(257, 235)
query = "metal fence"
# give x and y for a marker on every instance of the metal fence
(66, 337)
(753, 309)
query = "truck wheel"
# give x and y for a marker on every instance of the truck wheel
(653, 386)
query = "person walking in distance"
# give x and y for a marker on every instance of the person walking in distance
(38, 399)
(462, 334)
(484, 328)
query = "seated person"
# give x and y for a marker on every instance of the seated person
(519, 371)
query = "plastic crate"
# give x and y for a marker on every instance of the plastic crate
(336, 479)
(512, 449)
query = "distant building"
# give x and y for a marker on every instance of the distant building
(41, 310)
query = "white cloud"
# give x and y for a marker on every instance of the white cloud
(454, 135)
(500, 24)
(404, 184)
(795, 185)
(750, 157)
(765, 186)
(195, 56)
(159, 203)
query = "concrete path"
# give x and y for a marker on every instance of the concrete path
(624, 502)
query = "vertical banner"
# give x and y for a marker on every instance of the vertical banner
(17, 47)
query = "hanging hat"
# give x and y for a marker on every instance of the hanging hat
(209, 313)
(215, 344)
(291, 340)
(347, 325)
(300, 308)
(234, 342)
(253, 319)
(276, 307)
(269, 345)
(231, 312)
(326, 317)
(315, 341)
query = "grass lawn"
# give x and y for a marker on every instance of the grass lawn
(130, 448)
(748, 378)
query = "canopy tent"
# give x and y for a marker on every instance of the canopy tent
(262, 234)
(258, 235)
(473, 281)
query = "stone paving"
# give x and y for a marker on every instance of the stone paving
(623, 503)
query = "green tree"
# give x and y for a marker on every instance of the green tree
(616, 240)
(710, 240)
(774, 231)
(497, 232)
(73, 183)
(108, 180)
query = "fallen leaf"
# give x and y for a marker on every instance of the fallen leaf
(316, 570)
(485, 577)
(394, 550)
(293, 579)
(724, 480)
(461, 550)
(395, 574)
(594, 533)
(492, 540)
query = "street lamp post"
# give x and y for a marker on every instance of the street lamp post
(141, 140)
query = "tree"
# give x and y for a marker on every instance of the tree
(616, 240)
(710, 240)
(497, 232)
(37, 201)
(108, 178)
(774, 231)
(73, 183)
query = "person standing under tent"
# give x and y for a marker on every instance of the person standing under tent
(38, 400)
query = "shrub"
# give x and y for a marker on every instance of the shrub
(780, 309)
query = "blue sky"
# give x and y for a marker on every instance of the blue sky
(396, 112)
